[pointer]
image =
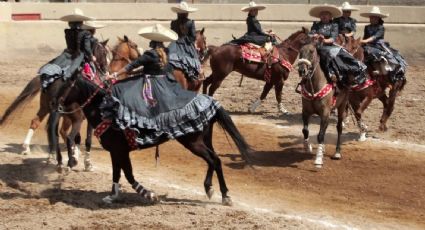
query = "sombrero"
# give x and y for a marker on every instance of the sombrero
(158, 33)
(335, 11)
(182, 8)
(347, 7)
(374, 12)
(76, 16)
(91, 25)
(252, 6)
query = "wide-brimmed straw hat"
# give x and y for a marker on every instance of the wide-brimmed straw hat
(92, 25)
(375, 12)
(76, 16)
(347, 7)
(182, 8)
(252, 6)
(158, 33)
(335, 11)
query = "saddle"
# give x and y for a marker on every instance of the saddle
(254, 53)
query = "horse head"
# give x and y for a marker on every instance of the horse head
(101, 52)
(201, 44)
(308, 60)
(123, 53)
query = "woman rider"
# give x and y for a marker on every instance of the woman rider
(78, 50)
(335, 61)
(346, 24)
(376, 48)
(182, 53)
(154, 104)
(254, 32)
(91, 26)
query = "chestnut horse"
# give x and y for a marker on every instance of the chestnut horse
(228, 58)
(127, 51)
(318, 98)
(73, 120)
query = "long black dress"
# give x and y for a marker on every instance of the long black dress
(78, 50)
(378, 48)
(155, 105)
(336, 60)
(182, 53)
(254, 33)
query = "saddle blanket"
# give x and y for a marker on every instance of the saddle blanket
(253, 53)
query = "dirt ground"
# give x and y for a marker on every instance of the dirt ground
(378, 184)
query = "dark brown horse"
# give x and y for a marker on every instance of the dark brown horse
(89, 96)
(73, 120)
(228, 58)
(127, 51)
(318, 98)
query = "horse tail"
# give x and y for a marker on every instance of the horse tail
(227, 124)
(30, 90)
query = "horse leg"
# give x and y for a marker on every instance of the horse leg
(362, 107)
(125, 163)
(324, 121)
(66, 124)
(70, 144)
(266, 89)
(88, 167)
(307, 146)
(206, 83)
(52, 134)
(35, 123)
(341, 115)
(208, 179)
(278, 88)
(116, 175)
(390, 106)
(384, 99)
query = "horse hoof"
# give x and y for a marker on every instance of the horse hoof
(26, 150)
(308, 148)
(227, 201)
(336, 156)
(319, 166)
(152, 197)
(210, 193)
(362, 137)
(88, 167)
(109, 199)
(72, 162)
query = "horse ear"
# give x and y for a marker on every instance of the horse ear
(125, 38)
(305, 30)
(120, 39)
(202, 31)
(104, 42)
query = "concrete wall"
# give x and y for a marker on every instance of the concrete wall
(45, 37)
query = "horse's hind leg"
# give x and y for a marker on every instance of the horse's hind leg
(70, 143)
(266, 89)
(388, 110)
(278, 88)
(206, 83)
(341, 115)
(35, 123)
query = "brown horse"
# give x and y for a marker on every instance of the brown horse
(73, 120)
(318, 98)
(228, 58)
(127, 51)
(360, 99)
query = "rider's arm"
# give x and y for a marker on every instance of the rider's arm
(334, 34)
(192, 31)
(256, 26)
(87, 49)
(142, 60)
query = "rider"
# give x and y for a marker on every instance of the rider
(376, 48)
(182, 53)
(91, 27)
(78, 50)
(154, 104)
(336, 62)
(254, 32)
(346, 24)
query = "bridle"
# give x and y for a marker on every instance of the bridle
(311, 67)
(119, 57)
(62, 98)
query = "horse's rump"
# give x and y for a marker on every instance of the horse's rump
(257, 54)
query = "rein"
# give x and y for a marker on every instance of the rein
(63, 97)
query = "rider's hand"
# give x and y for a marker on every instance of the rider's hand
(114, 75)
(321, 38)
(316, 36)
(93, 58)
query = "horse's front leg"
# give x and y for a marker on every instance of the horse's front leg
(70, 144)
(307, 146)
(116, 175)
(88, 167)
(266, 89)
(324, 121)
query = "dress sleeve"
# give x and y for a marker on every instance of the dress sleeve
(87, 44)
(353, 25)
(379, 33)
(313, 29)
(141, 61)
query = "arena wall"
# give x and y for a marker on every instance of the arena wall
(405, 28)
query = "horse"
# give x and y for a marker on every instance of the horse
(89, 97)
(228, 58)
(318, 98)
(127, 51)
(71, 119)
